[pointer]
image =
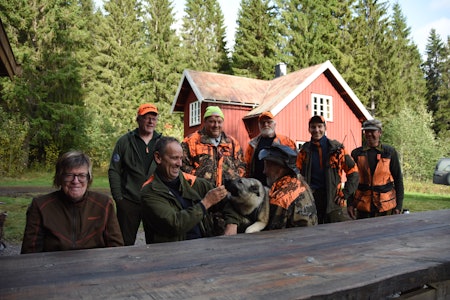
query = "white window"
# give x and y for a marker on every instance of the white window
(322, 106)
(194, 113)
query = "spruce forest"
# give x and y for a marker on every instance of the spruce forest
(87, 69)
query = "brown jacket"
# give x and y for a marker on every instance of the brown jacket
(56, 223)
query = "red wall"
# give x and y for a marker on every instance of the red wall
(293, 120)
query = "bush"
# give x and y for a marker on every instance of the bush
(411, 134)
(13, 154)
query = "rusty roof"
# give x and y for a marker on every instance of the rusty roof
(264, 95)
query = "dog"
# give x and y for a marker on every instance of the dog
(250, 199)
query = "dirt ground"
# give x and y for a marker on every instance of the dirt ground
(21, 191)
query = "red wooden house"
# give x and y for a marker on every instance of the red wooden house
(293, 99)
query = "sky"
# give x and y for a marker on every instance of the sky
(421, 16)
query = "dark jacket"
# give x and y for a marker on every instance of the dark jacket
(338, 161)
(56, 223)
(169, 221)
(250, 157)
(126, 171)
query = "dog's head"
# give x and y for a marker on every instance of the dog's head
(246, 193)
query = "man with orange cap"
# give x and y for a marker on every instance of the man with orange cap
(267, 137)
(131, 165)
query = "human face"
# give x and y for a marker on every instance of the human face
(317, 131)
(372, 137)
(267, 127)
(213, 126)
(272, 171)
(72, 186)
(147, 123)
(169, 162)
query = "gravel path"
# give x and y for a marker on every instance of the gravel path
(14, 248)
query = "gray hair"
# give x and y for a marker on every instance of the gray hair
(70, 160)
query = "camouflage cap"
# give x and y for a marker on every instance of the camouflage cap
(372, 125)
(280, 154)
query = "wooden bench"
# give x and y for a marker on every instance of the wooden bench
(404, 255)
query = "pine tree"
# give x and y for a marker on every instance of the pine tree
(402, 79)
(255, 49)
(115, 86)
(369, 28)
(442, 114)
(309, 30)
(163, 71)
(203, 36)
(50, 37)
(433, 67)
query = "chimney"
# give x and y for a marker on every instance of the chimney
(280, 70)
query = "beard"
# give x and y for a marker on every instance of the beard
(267, 132)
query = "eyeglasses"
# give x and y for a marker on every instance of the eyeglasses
(69, 177)
(149, 118)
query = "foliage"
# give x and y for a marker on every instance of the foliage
(12, 135)
(309, 30)
(203, 36)
(255, 53)
(85, 72)
(410, 133)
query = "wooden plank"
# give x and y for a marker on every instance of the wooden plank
(361, 259)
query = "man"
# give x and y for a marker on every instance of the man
(210, 153)
(266, 138)
(131, 165)
(380, 190)
(291, 199)
(176, 204)
(322, 161)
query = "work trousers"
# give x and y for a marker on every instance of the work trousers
(129, 215)
(337, 215)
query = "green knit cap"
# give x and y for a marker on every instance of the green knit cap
(213, 111)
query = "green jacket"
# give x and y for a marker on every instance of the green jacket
(169, 221)
(126, 172)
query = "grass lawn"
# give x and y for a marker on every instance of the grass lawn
(419, 196)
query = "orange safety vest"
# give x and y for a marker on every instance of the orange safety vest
(377, 189)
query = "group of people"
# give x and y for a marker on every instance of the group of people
(176, 189)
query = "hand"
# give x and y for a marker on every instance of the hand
(340, 201)
(230, 229)
(214, 196)
(351, 212)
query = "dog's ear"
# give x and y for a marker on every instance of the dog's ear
(254, 188)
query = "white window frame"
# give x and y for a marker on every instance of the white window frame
(322, 105)
(194, 113)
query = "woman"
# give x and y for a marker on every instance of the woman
(72, 217)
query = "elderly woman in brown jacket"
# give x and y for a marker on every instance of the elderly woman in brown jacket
(72, 217)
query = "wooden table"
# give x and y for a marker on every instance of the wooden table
(363, 259)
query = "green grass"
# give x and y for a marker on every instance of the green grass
(419, 196)
(46, 179)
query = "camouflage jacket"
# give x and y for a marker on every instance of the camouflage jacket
(291, 204)
(216, 164)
